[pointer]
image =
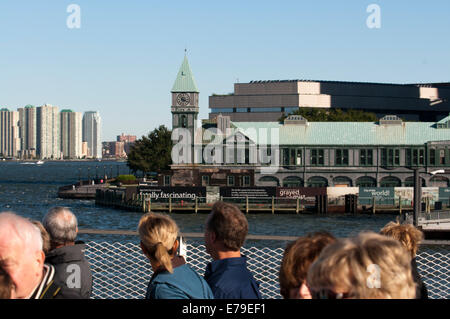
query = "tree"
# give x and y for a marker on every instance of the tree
(333, 115)
(151, 153)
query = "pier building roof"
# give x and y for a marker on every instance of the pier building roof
(347, 133)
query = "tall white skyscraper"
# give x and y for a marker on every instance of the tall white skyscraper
(48, 132)
(71, 134)
(9, 133)
(91, 133)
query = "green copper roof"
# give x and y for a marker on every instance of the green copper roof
(4, 109)
(444, 120)
(66, 111)
(29, 106)
(185, 80)
(348, 133)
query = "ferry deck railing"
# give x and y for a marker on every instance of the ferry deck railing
(120, 270)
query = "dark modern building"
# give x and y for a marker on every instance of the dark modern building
(262, 101)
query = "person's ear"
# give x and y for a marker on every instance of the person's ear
(76, 230)
(40, 259)
(175, 247)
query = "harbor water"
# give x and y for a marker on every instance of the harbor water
(31, 189)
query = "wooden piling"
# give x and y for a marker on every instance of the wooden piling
(273, 205)
(373, 205)
(297, 207)
(170, 204)
(246, 204)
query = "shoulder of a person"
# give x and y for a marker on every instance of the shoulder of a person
(166, 291)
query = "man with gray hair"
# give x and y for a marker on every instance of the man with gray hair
(21, 256)
(73, 271)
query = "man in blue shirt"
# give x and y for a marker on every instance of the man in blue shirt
(228, 276)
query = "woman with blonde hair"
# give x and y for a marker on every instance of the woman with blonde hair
(172, 278)
(370, 266)
(410, 237)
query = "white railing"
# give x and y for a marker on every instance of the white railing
(120, 271)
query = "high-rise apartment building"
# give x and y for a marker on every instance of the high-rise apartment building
(71, 134)
(28, 130)
(9, 133)
(92, 133)
(48, 132)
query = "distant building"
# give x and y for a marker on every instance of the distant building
(263, 101)
(71, 134)
(114, 149)
(92, 133)
(28, 131)
(126, 138)
(48, 138)
(128, 141)
(9, 133)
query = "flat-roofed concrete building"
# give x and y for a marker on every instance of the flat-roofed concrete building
(9, 133)
(260, 101)
(28, 130)
(48, 132)
(92, 133)
(71, 134)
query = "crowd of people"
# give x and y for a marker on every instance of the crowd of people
(44, 261)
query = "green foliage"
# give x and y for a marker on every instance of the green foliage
(333, 115)
(152, 153)
(125, 178)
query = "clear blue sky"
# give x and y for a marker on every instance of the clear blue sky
(125, 57)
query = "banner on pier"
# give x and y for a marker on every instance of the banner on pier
(166, 192)
(251, 192)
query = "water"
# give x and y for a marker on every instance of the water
(30, 190)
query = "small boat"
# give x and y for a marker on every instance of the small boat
(40, 162)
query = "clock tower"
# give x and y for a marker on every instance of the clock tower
(185, 101)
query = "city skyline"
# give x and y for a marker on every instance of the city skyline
(123, 62)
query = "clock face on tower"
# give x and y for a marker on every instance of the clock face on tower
(183, 99)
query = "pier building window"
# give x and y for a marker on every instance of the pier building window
(317, 157)
(183, 121)
(432, 156)
(442, 157)
(246, 180)
(166, 180)
(390, 157)
(341, 158)
(292, 156)
(230, 180)
(366, 157)
(415, 157)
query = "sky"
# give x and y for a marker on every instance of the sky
(124, 58)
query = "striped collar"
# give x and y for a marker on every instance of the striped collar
(46, 282)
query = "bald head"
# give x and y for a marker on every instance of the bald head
(21, 254)
(20, 231)
(61, 224)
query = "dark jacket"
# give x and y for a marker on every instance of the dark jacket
(230, 279)
(421, 289)
(183, 283)
(73, 272)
